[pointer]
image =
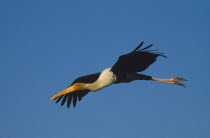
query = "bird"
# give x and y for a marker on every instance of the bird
(125, 70)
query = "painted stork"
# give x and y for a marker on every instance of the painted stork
(124, 71)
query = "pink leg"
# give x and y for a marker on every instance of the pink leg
(171, 81)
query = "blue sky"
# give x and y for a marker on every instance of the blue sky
(45, 45)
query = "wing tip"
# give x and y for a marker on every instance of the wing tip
(70, 99)
(138, 46)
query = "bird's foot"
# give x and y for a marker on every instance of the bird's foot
(172, 81)
(175, 81)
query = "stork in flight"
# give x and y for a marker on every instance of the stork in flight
(124, 71)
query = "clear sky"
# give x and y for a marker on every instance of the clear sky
(46, 44)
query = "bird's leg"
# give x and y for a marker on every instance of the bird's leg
(171, 81)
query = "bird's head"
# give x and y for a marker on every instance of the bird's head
(72, 88)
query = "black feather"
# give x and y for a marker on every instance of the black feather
(74, 100)
(80, 97)
(64, 99)
(69, 100)
(146, 47)
(138, 46)
(59, 98)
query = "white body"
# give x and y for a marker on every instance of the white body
(106, 78)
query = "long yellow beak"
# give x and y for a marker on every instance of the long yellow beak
(67, 90)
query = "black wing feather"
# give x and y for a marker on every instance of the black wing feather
(59, 98)
(64, 99)
(79, 97)
(146, 47)
(74, 100)
(69, 100)
(136, 61)
(138, 46)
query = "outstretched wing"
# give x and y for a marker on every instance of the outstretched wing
(73, 97)
(136, 61)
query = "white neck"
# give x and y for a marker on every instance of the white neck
(106, 78)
